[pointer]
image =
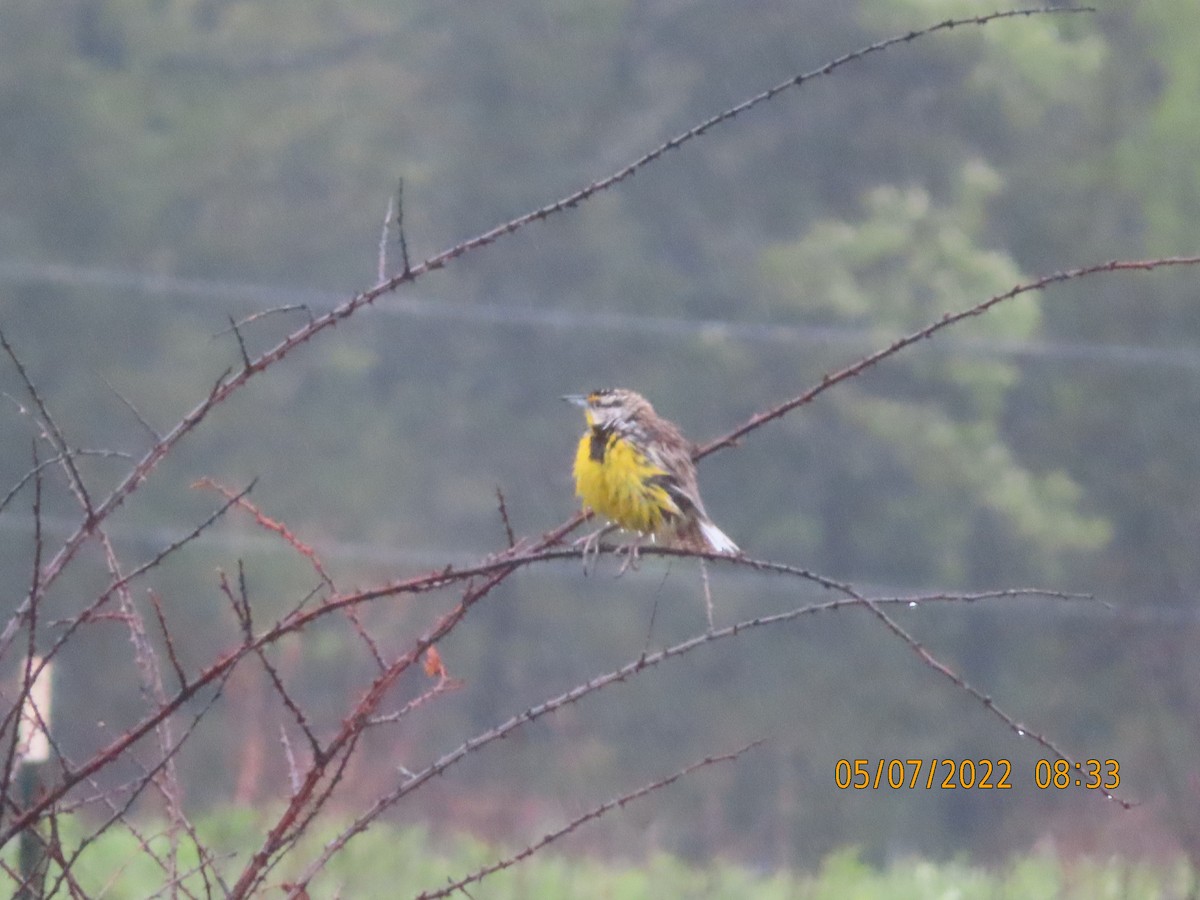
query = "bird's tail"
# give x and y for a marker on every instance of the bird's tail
(718, 540)
(703, 535)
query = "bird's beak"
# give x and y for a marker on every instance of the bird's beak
(577, 399)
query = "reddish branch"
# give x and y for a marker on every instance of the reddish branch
(272, 525)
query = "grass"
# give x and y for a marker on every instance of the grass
(388, 861)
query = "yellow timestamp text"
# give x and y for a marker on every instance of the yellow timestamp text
(968, 774)
(973, 774)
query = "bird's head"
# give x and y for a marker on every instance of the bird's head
(611, 408)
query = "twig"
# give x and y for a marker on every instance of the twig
(572, 200)
(137, 414)
(53, 461)
(304, 804)
(168, 640)
(262, 314)
(365, 637)
(166, 777)
(90, 612)
(120, 813)
(444, 684)
(52, 432)
(237, 333)
(757, 421)
(508, 529)
(304, 550)
(594, 813)
(239, 499)
(292, 707)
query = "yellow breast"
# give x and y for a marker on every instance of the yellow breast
(617, 485)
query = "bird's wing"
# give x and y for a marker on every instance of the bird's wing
(680, 493)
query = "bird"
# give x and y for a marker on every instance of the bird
(634, 468)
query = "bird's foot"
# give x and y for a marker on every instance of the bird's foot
(591, 545)
(632, 552)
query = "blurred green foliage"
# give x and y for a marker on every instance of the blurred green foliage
(402, 861)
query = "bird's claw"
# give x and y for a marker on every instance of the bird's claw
(632, 552)
(591, 545)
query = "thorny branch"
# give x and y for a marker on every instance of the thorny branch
(590, 815)
(1038, 284)
(649, 660)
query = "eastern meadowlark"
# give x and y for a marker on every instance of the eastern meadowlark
(635, 469)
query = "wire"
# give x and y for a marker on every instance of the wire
(526, 315)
